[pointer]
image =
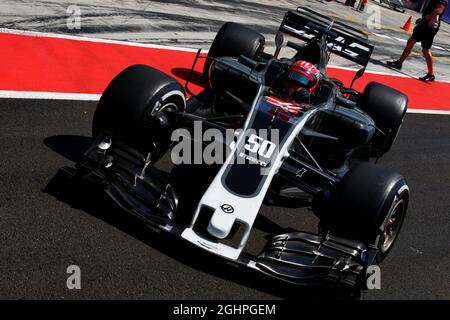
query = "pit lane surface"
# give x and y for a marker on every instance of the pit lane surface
(47, 224)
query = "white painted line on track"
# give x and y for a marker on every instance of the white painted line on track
(401, 40)
(95, 97)
(97, 40)
(423, 111)
(49, 95)
(381, 35)
(397, 74)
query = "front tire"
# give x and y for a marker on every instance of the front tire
(369, 205)
(233, 40)
(387, 107)
(132, 108)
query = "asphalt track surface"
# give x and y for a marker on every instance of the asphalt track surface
(47, 223)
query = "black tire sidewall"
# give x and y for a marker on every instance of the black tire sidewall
(402, 195)
(125, 107)
(387, 107)
(234, 39)
(360, 216)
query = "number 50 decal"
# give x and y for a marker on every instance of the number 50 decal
(261, 146)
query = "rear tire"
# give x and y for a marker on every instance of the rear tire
(234, 39)
(387, 107)
(131, 108)
(369, 205)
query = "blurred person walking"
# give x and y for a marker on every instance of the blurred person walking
(363, 4)
(426, 29)
(350, 3)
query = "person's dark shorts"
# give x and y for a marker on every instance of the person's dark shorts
(425, 35)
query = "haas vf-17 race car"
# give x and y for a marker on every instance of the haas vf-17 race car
(328, 140)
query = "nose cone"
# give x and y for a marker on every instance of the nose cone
(222, 222)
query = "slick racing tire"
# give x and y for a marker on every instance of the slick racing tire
(387, 107)
(234, 39)
(132, 107)
(369, 205)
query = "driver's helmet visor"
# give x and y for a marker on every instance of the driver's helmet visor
(301, 78)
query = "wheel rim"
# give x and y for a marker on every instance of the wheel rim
(394, 222)
(169, 105)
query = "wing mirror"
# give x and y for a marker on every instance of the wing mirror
(358, 75)
(279, 40)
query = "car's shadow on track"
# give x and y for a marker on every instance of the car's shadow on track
(69, 146)
(90, 198)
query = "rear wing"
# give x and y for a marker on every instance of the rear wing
(343, 40)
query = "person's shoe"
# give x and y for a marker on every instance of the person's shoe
(395, 64)
(428, 77)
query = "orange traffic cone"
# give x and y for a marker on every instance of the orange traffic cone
(407, 26)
